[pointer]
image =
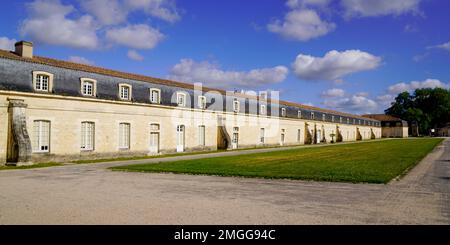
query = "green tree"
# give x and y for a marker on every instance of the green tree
(428, 107)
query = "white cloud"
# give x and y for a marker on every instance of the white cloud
(7, 44)
(307, 3)
(134, 55)
(364, 94)
(334, 65)
(332, 93)
(49, 23)
(354, 104)
(409, 87)
(445, 46)
(107, 12)
(211, 75)
(163, 9)
(365, 8)
(80, 60)
(302, 25)
(135, 36)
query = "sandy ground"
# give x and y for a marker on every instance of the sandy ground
(91, 194)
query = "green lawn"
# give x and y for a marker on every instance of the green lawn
(40, 165)
(371, 162)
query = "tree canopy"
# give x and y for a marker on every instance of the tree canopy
(430, 108)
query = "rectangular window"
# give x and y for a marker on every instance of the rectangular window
(155, 96)
(88, 88)
(323, 117)
(262, 133)
(283, 112)
(42, 82)
(236, 105)
(181, 99)
(332, 118)
(87, 136)
(340, 119)
(202, 102)
(41, 137)
(299, 114)
(201, 135)
(125, 92)
(299, 135)
(283, 135)
(348, 120)
(262, 110)
(312, 115)
(124, 136)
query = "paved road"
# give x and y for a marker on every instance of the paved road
(91, 194)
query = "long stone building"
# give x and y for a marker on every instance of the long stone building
(52, 110)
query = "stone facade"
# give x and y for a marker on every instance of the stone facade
(64, 108)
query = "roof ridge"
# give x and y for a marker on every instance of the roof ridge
(145, 78)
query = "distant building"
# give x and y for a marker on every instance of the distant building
(443, 131)
(391, 127)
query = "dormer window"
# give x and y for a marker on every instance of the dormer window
(202, 102)
(340, 119)
(348, 120)
(125, 91)
(263, 95)
(283, 112)
(236, 105)
(332, 118)
(323, 117)
(312, 115)
(181, 99)
(42, 81)
(88, 87)
(299, 114)
(155, 96)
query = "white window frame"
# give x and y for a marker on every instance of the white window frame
(158, 101)
(201, 103)
(340, 120)
(181, 95)
(348, 120)
(37, 147)
(124, 136)
(236, 105)
(283, 136)
(94, 86)
(202, 135)
(87, 138)
(263, 95)
(50, 76)
(332, 118)
(299, 114)
(262, 110)
(155, 128)
(324, 117)
(130, 91)
(283, 112)
(312, 115)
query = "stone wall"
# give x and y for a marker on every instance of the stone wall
(66, 114)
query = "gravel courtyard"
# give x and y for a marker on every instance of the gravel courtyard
(92, 194)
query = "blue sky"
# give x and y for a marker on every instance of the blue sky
(349, 55)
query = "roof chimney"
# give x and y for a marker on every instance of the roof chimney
(24, 49)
